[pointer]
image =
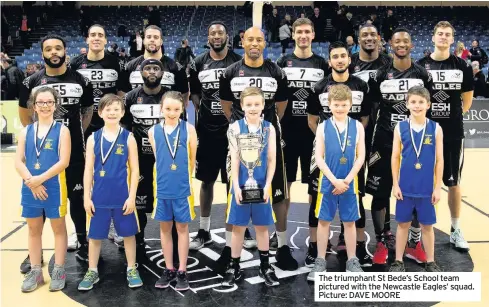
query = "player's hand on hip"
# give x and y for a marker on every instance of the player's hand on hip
(396, 191)
(129, 206)
(39, 192)
(89, 207)
(435, 198)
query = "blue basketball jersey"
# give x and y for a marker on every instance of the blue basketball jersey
(172, 176)
(49, 156)
(260, 171)
(333, 155)
(417, 182)
(111, 180)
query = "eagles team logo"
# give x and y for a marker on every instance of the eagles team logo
(289, 63)
(357, 68)
(140, 100)
(138, 67)
(44, 81)
(390, 76)
(206, 66)
(241, 73)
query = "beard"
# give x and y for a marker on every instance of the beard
(48, 62)
(340, 71)
(154, 51)
(151, 84)
(221, 48)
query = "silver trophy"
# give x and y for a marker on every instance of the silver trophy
(250, 147)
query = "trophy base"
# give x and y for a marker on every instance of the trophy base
(251, 196)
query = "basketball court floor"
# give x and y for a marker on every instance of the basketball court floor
(206, 291)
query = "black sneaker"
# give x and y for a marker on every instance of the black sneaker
(25, 266)
(397, 266)
(329, 248)
(390, 240)
(202, 238)
(268, 274)
(232, 275)
(273, 242)
(364, 258)
(341, 247)
(223, 261)
(285, 261)
(312, 253)
(249, 242)
(141, 256)
(166, 278)
(432, 267)
(182, 281)
(82, 253)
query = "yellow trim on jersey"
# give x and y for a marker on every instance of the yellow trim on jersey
(155, 189)
(89, 220)
(229, 200)
(190, 199)
(63, 194)
(137, 219)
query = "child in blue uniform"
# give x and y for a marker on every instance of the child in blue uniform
(111, 179)
(340, 154)
(43, 153)
(174, 143)
(261, 214)
(417, 169)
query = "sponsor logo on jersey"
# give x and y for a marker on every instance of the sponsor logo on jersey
(44, 81)
(390, 76)
(289, 63)
(241, 73)
(140, 100)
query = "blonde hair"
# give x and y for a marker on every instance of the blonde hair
(339, 92)
(460, 47)
(418, 91)
(251, 91)
(444, 24)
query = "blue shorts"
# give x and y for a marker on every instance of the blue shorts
(261, 214)
(99, 224)
(182, 209)
(51, 212)
(424, 208)
(327, 205)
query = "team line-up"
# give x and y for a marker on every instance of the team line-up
(137, 153)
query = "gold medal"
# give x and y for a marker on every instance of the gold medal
(173, 167)
(417, 165)
(37, 165)
(102, 173)
(343, 160)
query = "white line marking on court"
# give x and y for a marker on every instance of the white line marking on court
(144, 265)
(294, 234)
(280, 274)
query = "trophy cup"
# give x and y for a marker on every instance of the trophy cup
(250, 147)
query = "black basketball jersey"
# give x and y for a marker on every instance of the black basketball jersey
(361, 103)
(75, 92)
(390, 87)
(366, 70)
(174, 75)
(269, 77)
(302, 75)
(105, 78)
(204, 81)
(142, 111)
(451, 78)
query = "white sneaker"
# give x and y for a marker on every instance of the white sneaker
(73, 243)
(249, 242)
(457, 239)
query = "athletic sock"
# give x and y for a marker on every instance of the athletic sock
(264, 261)
(282, 238)
(455, 226)
(205, 223)
(414, 234)
(94, 270)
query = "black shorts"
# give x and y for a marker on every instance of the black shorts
(298, 148)
(211, 158)
(379, 175)
(145, 192)
(74, 181)
(453, 155)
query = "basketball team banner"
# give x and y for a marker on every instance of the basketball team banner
(398, 287)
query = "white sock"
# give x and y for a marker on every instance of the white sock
(414, 234)
(95, 270)
(229, 234)
(130, 268)
(281, 238)
(455, 221)
(205, 222)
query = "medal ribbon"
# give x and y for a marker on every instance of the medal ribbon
(104, 158)
(418, 151)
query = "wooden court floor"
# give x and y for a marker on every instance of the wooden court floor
(13, 245)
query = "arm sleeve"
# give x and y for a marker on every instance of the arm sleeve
(181, 81)
(25, 91)
(282, 86)
(195, 85)
(313, 104)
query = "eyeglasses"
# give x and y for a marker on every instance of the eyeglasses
(48, 103)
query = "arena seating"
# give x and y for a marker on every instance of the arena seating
(191, 22)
